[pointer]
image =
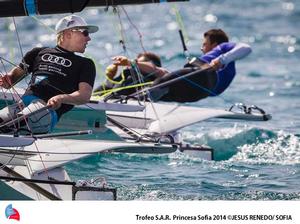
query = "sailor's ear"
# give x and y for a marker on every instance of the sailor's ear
(68, 34)
(214, 44)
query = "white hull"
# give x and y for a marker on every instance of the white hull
(153, 120)
(30, 191)
(43, 161)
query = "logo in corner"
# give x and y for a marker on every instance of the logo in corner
(12, 213)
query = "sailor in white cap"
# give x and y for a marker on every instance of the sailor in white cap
(62, 78)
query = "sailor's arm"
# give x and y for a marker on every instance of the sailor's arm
(239, 51)
(12, 77)
(146, 67)
(81, 96)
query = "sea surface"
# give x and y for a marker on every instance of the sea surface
(254, 160)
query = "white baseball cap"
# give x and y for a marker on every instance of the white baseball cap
(73, 21)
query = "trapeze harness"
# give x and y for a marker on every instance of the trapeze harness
(196, 81)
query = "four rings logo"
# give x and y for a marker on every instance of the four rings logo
(56, 60)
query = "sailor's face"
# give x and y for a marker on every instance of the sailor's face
(142, 59)
(207, 45)
(80, 39)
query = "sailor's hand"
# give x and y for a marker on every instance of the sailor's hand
(5, 81)
(111, 71)
(121, 60)
(216, 64)
(55, 102)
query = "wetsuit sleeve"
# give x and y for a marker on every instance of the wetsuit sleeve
(88, 73)
(227, 52)
(217, 51)
(28, 59)
(239, 51)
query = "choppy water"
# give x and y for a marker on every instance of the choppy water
(254, 161)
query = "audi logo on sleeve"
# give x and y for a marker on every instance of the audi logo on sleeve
(56, 60)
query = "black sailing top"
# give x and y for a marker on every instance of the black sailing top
(57, 71)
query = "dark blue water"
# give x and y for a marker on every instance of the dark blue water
(254, 161)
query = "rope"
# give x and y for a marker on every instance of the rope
(105, 93)
(14, 90)
(121, 29)
(136, 29)
(114, 81)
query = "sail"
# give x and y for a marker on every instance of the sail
(41, 7)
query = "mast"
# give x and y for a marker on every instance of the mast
(10, 8)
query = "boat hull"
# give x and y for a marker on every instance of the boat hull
(35, 187)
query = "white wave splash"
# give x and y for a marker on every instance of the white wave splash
(285, 149)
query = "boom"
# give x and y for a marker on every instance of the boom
(41, 7)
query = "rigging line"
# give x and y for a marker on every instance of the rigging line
(9, 62)
(38, 181)
(62, 92)
(115, 22)
(27, 124)
(26, 159)
(147, 92)
(122, 42)
(10, 42)
(26, 72)
(19, 42)
(107, 92)
(15, 121)
(43, 24)
(98, 66)
(10, 115)
(8, 162)
(35, 144)
(206, 90)
(135, 27)
(21, 51)
(140, 80)
(184, 38)
(121, 29)
(31, 153)
(12, 92)
(138, 72)
(135, 67)
(133, 133)
(33, 186)
(132, 85)
(23, 117)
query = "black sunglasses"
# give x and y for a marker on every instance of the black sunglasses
(83, 31)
